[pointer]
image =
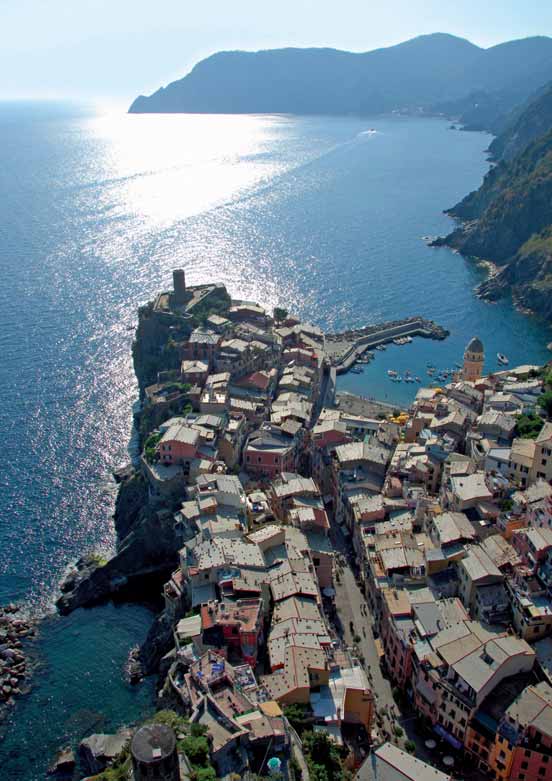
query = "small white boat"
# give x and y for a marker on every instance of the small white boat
(502, 359)
(391, 372)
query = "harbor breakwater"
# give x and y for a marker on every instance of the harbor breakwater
(345, 348)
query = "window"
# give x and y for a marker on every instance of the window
(543, 462)
(545, 759)
(542, 771)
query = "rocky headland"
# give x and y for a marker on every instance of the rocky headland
(508, 222)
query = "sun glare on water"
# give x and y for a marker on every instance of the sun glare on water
(175, 166)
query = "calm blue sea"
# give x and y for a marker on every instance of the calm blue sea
(315, 214)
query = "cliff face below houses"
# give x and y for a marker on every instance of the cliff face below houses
(147, 552)
(147, 539)
(155, 346)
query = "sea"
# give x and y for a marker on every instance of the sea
(324, 216)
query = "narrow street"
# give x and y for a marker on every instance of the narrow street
(352, 606)
(353, 610)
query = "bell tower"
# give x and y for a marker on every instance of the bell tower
(474, 358)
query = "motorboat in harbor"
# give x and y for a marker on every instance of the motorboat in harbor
(392, 373)
(380, 347)
(502, 359)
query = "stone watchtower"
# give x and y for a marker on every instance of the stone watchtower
(154, 755)
(179, 284)
(474, 358)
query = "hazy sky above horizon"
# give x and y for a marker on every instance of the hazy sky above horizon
(120, 48)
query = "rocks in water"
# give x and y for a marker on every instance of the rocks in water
(133, 670)
(82, 569)
(13, 664)
(100, 751)
(123, 473)
(63, 765)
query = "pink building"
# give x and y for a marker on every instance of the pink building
(269, 452)
(178, 445)
(396, 628)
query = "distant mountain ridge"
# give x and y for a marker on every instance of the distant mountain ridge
(415, 75)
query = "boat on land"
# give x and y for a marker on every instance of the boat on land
(502, 359)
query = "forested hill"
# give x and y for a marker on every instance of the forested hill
(418, 74)
(508, 221)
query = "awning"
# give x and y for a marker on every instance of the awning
(441, 731)
(379, 648)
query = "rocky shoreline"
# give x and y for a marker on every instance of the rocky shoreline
(14, 663)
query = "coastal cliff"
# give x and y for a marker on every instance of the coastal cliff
(508, 221)
(147, 552)
(154, 347)
(147, 542)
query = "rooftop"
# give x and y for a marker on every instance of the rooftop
(390, 763)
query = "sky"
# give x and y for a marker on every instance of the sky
(120, 48)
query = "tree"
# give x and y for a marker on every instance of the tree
(528, 426)
(280, 313)
(298, 716)
(150, 446)
(323, 757)
(197, 750)
(545, 402)
(205, 774)
(198, 730)
(410, 746)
